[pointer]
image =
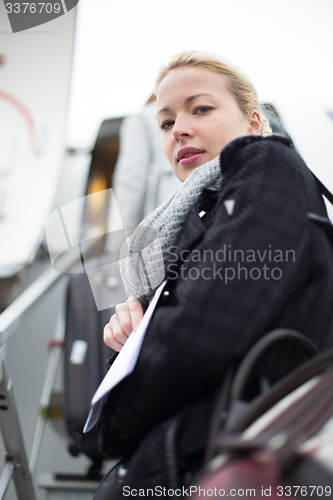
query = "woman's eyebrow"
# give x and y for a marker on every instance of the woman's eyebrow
(191, 98)
(163, 110)
(188, 100)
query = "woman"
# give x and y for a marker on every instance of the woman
(242, 257)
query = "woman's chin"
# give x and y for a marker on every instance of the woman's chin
(183, 171)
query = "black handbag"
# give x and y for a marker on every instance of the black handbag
(276, 444)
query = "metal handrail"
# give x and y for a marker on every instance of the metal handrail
(10, 426)
(26, 300)
(13, 313)
(10, 317)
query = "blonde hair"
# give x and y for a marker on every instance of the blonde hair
(238, 83)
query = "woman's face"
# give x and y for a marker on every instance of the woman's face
(198, 116)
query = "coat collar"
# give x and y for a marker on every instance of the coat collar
(237, 145)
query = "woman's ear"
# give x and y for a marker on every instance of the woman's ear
(255, 126)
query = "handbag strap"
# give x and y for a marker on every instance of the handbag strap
(256, 352)
(305, 414)
(284, 432)
(319, 219)
(240, 420)
(234, 382)
(323, 189)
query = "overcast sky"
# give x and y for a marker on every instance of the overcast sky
(286, 48)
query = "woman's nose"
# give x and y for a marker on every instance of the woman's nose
(181, 128)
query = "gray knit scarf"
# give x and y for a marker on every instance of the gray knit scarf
(144, 255)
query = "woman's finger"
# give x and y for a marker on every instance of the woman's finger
(114, 337)
(136, 311)
(124, 318)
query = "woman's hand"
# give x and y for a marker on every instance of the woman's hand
(126, 319)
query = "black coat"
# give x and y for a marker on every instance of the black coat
(250, 258)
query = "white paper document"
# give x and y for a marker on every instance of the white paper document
(124, 363)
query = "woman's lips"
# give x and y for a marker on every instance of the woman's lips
(190, 159)
(188, 155)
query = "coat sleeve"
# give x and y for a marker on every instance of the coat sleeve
(247, 267)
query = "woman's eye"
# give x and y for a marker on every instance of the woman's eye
(202, 110)
(167, 124)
